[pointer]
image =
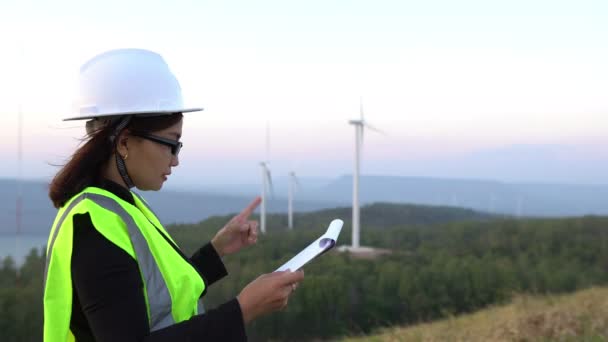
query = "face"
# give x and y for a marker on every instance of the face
(149, 163)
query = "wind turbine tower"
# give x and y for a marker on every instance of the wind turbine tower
(266, 182)
(19, 199)
(360, 126)
(356, 220)
(293, 184)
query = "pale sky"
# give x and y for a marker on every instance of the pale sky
(507, 90)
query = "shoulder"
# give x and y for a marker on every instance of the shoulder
(94, 251)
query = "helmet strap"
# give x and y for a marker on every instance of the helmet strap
(122, 170)
(120, 163)
(124, 121)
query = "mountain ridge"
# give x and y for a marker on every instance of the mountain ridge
(181, 206)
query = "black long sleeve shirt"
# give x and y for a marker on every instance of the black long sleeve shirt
(108, 297)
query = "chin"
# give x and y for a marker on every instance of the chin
(155, 187)
(151, 187)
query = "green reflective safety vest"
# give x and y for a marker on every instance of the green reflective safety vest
(172, 286)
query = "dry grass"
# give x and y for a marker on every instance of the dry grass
(582, 316)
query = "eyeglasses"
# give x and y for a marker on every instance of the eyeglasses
(175, 145)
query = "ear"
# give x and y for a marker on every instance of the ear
(122, 142)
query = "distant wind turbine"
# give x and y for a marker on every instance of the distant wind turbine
(266, 182)
(293, 184)
(19, 199)
(360, 126)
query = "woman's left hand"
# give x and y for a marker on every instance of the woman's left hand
(239, 232)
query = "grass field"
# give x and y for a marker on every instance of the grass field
(582, 316)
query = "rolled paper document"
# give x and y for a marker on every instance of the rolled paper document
(321, 245)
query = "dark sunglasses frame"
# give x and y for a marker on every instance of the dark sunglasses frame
(175, 145)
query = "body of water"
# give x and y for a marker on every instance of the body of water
(19, 248)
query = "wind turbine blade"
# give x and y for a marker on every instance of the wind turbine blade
(374, 128)
(298, 185)
(267, 141)
(361, 107)
(270, 186)
(362, 134)
(361, 146)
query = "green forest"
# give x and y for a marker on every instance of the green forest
(443, 262)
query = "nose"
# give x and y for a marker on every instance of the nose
(174, 161)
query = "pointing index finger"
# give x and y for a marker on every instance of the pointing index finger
(250, 208)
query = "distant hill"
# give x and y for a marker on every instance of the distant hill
(547, 200)
(381, 215)
(171, 206)
(37, 211)
(180, 206)
(582, 316)
(515, 199)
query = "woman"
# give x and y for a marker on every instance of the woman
(113, 272)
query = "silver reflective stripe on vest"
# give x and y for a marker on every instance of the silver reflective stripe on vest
(200, 306)
(142, 200)
(157, 292)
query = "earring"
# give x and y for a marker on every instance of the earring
(125, 156)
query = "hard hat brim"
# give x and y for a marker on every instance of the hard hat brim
(138, 113)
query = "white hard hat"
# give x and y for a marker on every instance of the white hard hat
(127, 82)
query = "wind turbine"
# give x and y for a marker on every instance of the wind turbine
(360, 126)
(266, 181)
(19, 198)
(293, 184)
